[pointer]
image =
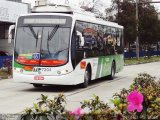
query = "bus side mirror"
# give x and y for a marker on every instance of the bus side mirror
(80, 38)
(10, 35)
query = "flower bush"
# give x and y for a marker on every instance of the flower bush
(146, 86)
(97, 110)
(140, 101)
(76, 114)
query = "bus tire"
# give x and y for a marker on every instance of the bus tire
(113, 71)
(87, 78)
(37, 85)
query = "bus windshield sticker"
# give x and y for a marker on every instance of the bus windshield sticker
(36, 56)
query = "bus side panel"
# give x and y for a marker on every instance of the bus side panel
(103, 68)
(119, 62)
(105, 64)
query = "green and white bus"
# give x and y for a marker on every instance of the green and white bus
(57, 45)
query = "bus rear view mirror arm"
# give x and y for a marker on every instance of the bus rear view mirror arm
(10, 35)
(81, 39)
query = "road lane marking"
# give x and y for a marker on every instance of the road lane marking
(95, 86)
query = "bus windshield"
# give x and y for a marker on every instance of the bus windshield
(42, 45)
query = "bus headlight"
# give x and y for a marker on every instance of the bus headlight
(21, 70)
(61, 72)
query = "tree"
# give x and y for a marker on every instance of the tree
(148, 22)
(125, 15)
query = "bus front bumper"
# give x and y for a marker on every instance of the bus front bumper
(68, 79)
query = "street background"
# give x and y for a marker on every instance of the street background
(14, 97)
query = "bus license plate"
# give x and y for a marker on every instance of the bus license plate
(38, 77)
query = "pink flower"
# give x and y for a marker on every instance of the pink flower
(76, 113)
(135, 100)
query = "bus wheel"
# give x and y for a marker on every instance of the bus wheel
(113, 71)
(37, 85)
(87, 78)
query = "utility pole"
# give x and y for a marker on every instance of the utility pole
(118, 10)
(137, 26)
(93, 5)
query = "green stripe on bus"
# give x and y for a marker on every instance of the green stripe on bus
(16, 65)
(98, 67)
(105, 66)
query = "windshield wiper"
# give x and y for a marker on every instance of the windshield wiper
(34, 34)
(59, 51)
(54, 30)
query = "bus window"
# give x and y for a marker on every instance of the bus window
(89, 38)
(107, 35)
(112, 41)
(42, 43)
(88, 33)
(79, 50)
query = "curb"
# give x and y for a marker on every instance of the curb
(140, 63)
(10, 117)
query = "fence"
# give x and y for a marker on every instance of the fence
(5, 61)
(141, 54)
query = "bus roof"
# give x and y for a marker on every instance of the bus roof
(77, 14)
(93, 19)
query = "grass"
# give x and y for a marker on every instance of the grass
(133, 61)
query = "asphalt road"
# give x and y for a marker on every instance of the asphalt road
(14, 97)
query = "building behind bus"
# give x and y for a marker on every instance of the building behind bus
(9, 11)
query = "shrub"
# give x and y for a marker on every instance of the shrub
(150, 89)
(46, 108)
(140, 101)
(98, 110)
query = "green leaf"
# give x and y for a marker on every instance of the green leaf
(35, 106)
(116, 102)
(43, 97)
(28, 110)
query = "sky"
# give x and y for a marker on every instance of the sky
(157, 5)
(106, 4)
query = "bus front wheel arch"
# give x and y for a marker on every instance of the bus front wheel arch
(37, 85)
(87, 76)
